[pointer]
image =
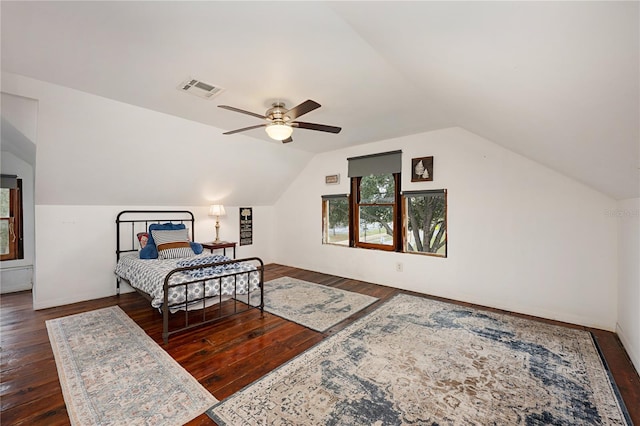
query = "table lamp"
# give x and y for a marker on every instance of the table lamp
(217, 210)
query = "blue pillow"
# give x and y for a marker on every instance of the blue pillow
(196, 247)
(150, 251)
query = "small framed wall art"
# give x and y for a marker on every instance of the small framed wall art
(421, 169)
(246, 226)
(332, 179)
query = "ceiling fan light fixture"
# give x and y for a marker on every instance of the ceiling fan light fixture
(281, 121)
(279, 131)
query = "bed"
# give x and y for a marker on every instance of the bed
(158, 257)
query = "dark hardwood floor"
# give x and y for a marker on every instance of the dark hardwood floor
(224, 357)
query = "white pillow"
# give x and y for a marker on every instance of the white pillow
(172, 244)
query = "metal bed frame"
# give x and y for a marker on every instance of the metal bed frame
(139, 221)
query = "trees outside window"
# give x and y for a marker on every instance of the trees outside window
(426, 222)
(335, 219)
(375, 211)
(375, 215)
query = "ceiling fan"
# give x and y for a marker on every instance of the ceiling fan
(281, 121)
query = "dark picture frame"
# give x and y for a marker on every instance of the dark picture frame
(422, 169)
(246, 226)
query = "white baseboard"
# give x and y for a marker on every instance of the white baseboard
(77, 297)
(16, 279)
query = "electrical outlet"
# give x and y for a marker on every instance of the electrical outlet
(399, 266)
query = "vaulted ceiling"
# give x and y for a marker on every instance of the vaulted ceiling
(557, 82)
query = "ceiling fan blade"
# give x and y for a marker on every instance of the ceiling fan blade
(230, 108)
(243, 129)
(315, 126)
(303, 108)
(287, 140)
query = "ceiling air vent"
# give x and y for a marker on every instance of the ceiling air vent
(200, 89)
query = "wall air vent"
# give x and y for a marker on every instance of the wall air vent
(200, 89)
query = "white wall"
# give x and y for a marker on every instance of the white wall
(76, 247)
(97, 151)
(521, 236)
(17, 275)
(628, 328)
(96, 156)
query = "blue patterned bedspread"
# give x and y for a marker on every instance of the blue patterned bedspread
(209, 271)
(148, 275)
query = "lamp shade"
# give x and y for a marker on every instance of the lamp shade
(216, 210)
(279, 131)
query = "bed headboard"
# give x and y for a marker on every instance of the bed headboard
(130, 222)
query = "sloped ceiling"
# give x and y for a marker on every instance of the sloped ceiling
(557, 82)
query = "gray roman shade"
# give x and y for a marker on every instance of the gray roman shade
(424, 193)
(333, 196)
(9, 181)
(375, 164)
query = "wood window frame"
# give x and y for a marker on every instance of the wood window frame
(16, 250)
(405, 219)
(354, 211)
(326, 199)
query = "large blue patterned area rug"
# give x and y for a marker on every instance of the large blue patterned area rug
(112, 373)
(315, 306)
(416, 361)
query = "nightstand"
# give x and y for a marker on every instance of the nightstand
(224, 245)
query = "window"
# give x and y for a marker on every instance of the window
(377, 215)
(10, 218)
(425, 222)
(375, 211)
(335, 219)
(375, 189)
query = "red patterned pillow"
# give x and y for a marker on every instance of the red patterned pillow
(143, 237)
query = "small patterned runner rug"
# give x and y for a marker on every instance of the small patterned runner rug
(416, 361)
(112, 373)
(316, 306)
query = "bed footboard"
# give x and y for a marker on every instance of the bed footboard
(245, 292)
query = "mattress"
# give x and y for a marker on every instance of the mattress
(148, 275)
